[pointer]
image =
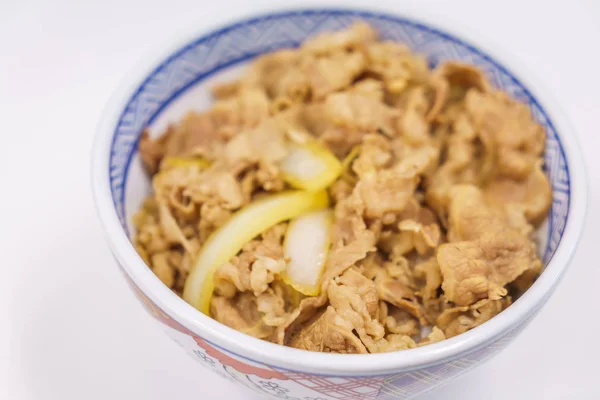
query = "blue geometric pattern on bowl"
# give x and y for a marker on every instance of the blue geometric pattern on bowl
(240, 42)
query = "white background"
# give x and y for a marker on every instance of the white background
(70, 329)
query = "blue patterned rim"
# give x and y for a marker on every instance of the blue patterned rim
(243, 41)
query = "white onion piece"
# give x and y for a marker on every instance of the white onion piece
(307, 243)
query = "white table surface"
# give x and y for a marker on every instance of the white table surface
(70, 329)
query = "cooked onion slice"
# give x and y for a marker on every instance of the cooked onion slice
(306, 246)
(310, 166)
(242, 227)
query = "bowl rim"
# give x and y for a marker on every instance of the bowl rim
(286, 358)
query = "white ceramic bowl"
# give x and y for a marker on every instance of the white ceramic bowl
(175, 79)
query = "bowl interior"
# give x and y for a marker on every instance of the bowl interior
(182, 81)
